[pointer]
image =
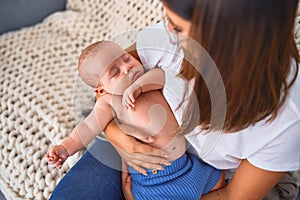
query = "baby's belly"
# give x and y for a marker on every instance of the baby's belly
(152, 115)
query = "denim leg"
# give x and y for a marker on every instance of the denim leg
(95, 176)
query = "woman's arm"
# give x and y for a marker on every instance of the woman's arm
(126, 182)
(135, 153)
(248, 182)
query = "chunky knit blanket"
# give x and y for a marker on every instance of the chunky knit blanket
(41, 94)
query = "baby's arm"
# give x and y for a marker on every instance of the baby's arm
(82, 134)
(152, 80)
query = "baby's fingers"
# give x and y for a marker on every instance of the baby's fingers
(59, 163)
(131, 99)
(124, 101)
(127, 102)
(53, 162)
(130, 104)
(51, 158)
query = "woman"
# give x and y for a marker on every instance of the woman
(253, 47)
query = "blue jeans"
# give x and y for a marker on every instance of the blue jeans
(96, 175)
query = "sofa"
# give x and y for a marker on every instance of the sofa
(42, 97)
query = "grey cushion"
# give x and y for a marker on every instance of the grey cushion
(15, 14)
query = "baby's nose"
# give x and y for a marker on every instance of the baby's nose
(127, 69)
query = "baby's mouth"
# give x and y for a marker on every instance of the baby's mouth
(135, 76)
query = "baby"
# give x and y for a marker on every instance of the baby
(133, 96)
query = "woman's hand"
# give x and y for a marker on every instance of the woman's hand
(134, 147)
(126, 182)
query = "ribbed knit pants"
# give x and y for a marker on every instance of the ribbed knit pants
(186, 179)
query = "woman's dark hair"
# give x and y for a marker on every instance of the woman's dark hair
(183, 8)
(253, 46)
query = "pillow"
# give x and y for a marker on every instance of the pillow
(15, 14)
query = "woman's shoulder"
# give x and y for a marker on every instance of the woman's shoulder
(155, 49)
(155, 38)
(152, 36)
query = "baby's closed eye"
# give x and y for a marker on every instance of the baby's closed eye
(114, 72)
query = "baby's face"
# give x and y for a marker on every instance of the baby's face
(120, 74)
(110, 68)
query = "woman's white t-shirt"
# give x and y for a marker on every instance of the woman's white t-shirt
(271, 146)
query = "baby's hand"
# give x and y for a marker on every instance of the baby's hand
(130, 94)
(57, 156)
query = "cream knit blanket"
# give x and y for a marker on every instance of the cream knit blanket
(41, 95)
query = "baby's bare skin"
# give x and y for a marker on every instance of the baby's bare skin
(127, 93)
(153, 116)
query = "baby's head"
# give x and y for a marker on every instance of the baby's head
(104, 65)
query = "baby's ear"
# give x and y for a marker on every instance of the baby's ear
(100, 91)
